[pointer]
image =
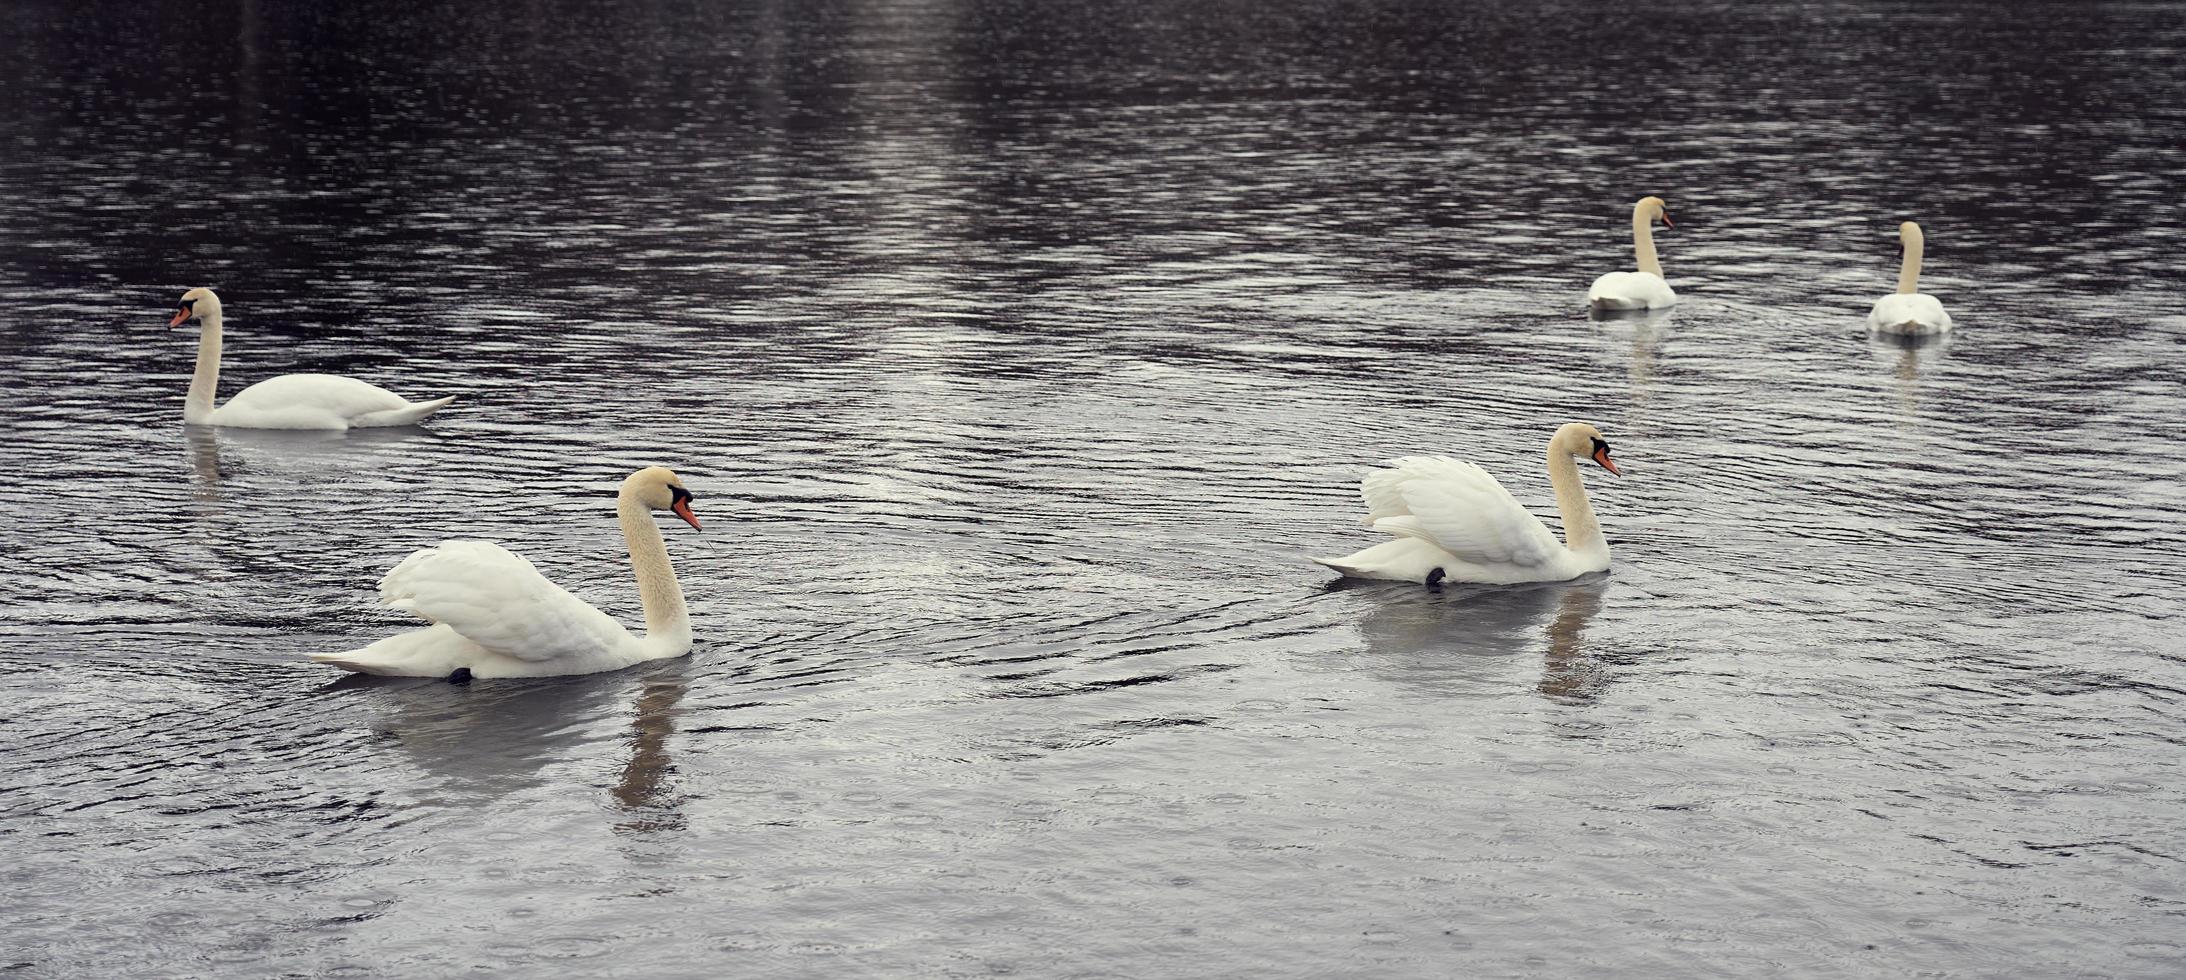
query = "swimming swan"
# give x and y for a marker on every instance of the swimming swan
(494, 615)
(1645, 289)
(1909, 312)
(1455, 523)
(290, 401)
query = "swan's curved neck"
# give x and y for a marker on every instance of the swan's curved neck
(1643, 242)
(1581, 531)
(666, 618)
(205, 384)
(1909, 270)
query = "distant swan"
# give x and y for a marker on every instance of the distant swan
(1909, 312)
(290, 401)
(1645, 289)
(1455, 523)
(494, 615)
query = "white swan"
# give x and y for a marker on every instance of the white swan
(494, 615)
(1455, 523)
(1645, 289)
(1909, 312)
(290, 401)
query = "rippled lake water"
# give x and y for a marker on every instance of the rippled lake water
(1018, 354)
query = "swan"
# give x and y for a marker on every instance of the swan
(1908, 311)
(290, 401)
(1455, 523)
(1645, 289)
(494, 615)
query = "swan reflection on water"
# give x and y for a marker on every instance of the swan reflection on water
(1567, 673)
(1646, 328)
(218, 454)
(1906, 366)
(645, 791)
(1453, 640)
(1911, 348)
(204, 451)
(488, 740)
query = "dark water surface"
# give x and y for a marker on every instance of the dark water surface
(1018, 354)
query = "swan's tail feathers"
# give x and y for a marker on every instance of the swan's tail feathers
(1912, 327)
(434, 651)
(1338, 565)
(410, 414)
(358, 661)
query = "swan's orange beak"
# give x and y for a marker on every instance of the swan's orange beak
(1602, 456)
(181, 315)
(682, 507)
(1666, 222)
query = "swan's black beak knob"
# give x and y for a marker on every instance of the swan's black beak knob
(680, 502)
(1601, 455)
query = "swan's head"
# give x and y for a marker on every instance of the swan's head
(659, 488)
(1652, 209)
(1908, 236)
(1581, 439)
(196, 304)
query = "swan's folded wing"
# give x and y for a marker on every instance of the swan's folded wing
(1471, 516)
(331, 393)
(1383, 489)
(498, 601)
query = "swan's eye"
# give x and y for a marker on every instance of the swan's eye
(1601, 446)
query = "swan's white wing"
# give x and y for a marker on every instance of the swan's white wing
(1471, 516)
(1384, 489)
(1630, 291)
(498, 601)
(332, 393)
(1909, 313)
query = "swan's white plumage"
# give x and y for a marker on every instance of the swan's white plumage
(1646, 289)
(1480, 522)
(494, 615)
(1630, 291)
(1456, 506)
(499, 601)
(1909, 312)
(320, 401)
(1384, 489)
(290, 401)
(1450, 515)
(1914, 313)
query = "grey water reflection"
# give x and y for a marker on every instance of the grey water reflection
(1569, 671)
(1462, 641)
(1017, 353)
(204, 460)
(484, 742)
(221, 453)
(1645, 331)
(647, 789)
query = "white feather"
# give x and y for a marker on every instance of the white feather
(1455, 522)
(320, 401)
(1909, 314)
(290, 401)
(498, 601)
(494, 615)
(1630, 291)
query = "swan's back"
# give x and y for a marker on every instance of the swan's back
(318, 401)
(500, 602)
(1630, 291)
(1466, 511)
(1909, 314)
